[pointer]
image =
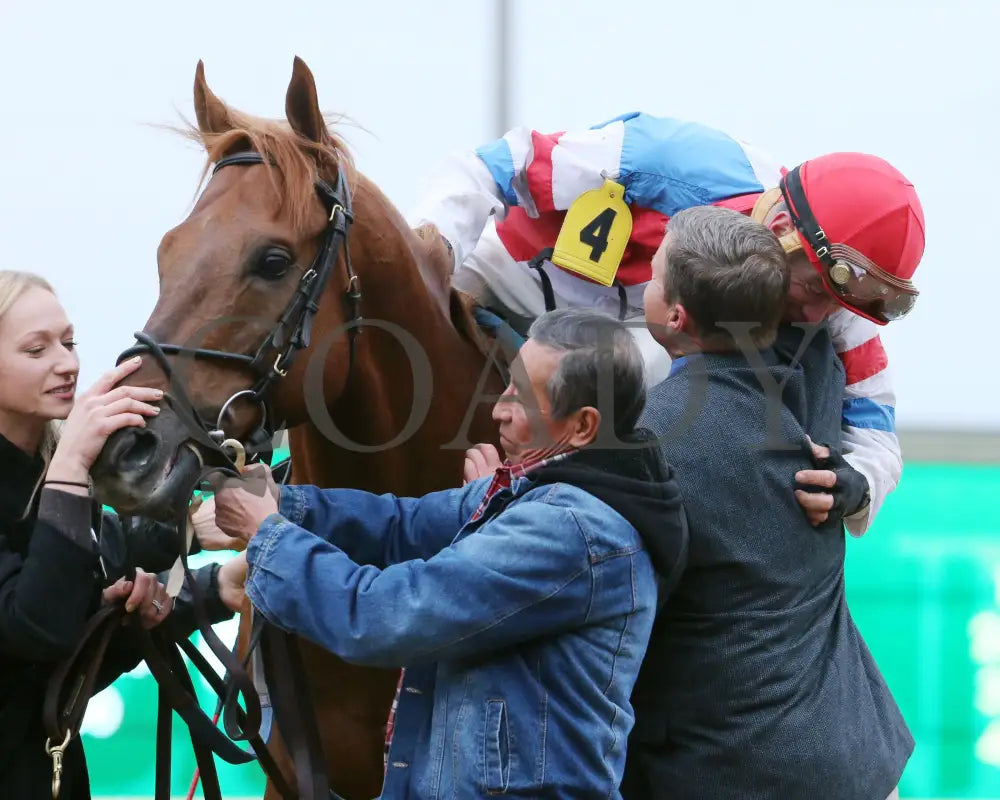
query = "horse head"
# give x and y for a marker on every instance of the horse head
(256, 325)
(240, 283)
(295, 296)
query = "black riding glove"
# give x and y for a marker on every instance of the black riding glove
(850, 492)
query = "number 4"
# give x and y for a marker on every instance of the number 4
(595, 233)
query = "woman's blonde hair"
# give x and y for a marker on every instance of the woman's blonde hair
(13, 284)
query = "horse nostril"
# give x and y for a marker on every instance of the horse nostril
(139, 451)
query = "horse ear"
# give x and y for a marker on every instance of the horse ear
(302, 104)
(212, 113)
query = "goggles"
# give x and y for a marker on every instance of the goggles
(866, 288)
(856, 281)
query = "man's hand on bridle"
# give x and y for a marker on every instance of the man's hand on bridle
(211, 536)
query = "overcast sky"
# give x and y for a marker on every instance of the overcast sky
(88, 185)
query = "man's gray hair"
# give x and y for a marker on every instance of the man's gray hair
(722, 266)
(598, 348)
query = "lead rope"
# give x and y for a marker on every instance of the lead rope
(253, 654)
(176, 579)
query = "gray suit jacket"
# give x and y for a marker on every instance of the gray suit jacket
(757, 683)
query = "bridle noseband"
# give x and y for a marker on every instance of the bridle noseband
(290, 333)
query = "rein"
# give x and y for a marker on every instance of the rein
(73, 682)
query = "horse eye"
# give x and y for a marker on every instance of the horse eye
(273, 263)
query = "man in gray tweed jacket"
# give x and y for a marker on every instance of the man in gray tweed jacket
(756, 683)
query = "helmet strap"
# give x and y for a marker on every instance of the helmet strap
(802, 217)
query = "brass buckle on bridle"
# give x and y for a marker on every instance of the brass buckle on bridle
(278, 370)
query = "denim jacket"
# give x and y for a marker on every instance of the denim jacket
(522, 630)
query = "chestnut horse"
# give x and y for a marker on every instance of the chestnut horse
(385, 394)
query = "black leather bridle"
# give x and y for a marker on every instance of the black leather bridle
(271, 361)
(290, 333)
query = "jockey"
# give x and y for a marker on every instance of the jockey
(540, 220)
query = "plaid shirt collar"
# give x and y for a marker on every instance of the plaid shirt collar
(506, 474)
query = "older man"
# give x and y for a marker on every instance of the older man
(520, 604)
(757, 683)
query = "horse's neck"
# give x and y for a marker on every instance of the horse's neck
(422, 356)
(377, 438)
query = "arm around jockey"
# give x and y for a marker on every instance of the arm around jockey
(528, 179)
(852, 227)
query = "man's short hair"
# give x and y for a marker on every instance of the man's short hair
(600, 354)
(724, 267)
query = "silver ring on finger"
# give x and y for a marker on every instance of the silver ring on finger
(158, 606)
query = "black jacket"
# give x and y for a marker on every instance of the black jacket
(51, 577)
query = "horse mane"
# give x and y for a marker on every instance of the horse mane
(293, 158)
(298, 162)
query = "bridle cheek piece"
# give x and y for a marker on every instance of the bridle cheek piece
(290, 333)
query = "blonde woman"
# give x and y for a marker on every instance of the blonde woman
(54, 568)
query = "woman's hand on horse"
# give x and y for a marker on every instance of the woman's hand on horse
(210, 535)
(97, 413)
(480, 461)
(232, 579)
(145, 594)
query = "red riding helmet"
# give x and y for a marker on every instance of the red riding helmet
(861, 224)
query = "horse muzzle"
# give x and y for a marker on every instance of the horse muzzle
(147, 471)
